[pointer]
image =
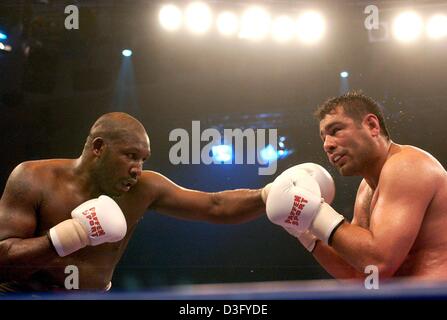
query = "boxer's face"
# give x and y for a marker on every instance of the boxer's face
(122, 162)
(346, 142)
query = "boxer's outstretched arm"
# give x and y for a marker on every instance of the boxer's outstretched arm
(232, 206)
(21, 253)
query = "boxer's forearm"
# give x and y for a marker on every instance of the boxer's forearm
(360, 249)
(19, 258)
(333, 263)
(236, 206)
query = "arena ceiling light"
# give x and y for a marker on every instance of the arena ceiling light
(311, 27)
(255, 24)
(283, 29)
(227, 23)
(126, 52)
(198, 17)
(437, 27)
(170, 17)
(407, 27)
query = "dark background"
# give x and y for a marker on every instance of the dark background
(56, 82)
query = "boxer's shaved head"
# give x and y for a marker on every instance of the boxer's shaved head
(115, 126)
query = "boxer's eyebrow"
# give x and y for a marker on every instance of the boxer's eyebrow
(328, 127)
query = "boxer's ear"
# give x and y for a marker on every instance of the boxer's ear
(372, 123)
(98, 145)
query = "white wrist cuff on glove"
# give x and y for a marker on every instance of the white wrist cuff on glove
(325, 222)
(68, 237)
(265, 192)
(308, 240)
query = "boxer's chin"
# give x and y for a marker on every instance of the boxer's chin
(346, 170)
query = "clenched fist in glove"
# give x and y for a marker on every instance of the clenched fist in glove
(93, 222)
(296, 201)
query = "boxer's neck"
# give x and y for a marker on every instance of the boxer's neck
(372, 174)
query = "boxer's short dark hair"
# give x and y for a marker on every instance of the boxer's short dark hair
(355, 105)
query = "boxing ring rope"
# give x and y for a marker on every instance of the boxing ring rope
(274, 290)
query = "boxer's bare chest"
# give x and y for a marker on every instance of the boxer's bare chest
(95, 264)
(364, 207)
(59, 199)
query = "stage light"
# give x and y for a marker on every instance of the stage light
(255, 24)
(283, 153)
(407, 27)
(283, 28)
(170, 17)
(5, 47)
(222, 153)
(198, 17)
(227, 23)
(3, 36)
(437, 26)
(311, 27)
(126, 52)
(344, 74)
(269, 154)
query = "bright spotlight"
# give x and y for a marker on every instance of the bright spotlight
(437, 26)
(255, 24)
(269, 153)
(3, 36)
(227, 23)
(407, 26)
(198, 17)
(170, 17)
(283, 153)
(126, 52)
(283, 28)
(311, 27)
(344, 74)
(5, 47)
(222, 153)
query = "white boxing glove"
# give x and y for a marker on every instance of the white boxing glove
(294, 202)
(93, 222)
(321, 176)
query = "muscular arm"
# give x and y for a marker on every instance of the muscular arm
(233, 206)
(329, 259)
(405, 190)
(21, 253)
(333, 263)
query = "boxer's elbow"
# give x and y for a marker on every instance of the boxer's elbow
(381, 262)
(386, 270)
(15, 265)
(9, 269)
